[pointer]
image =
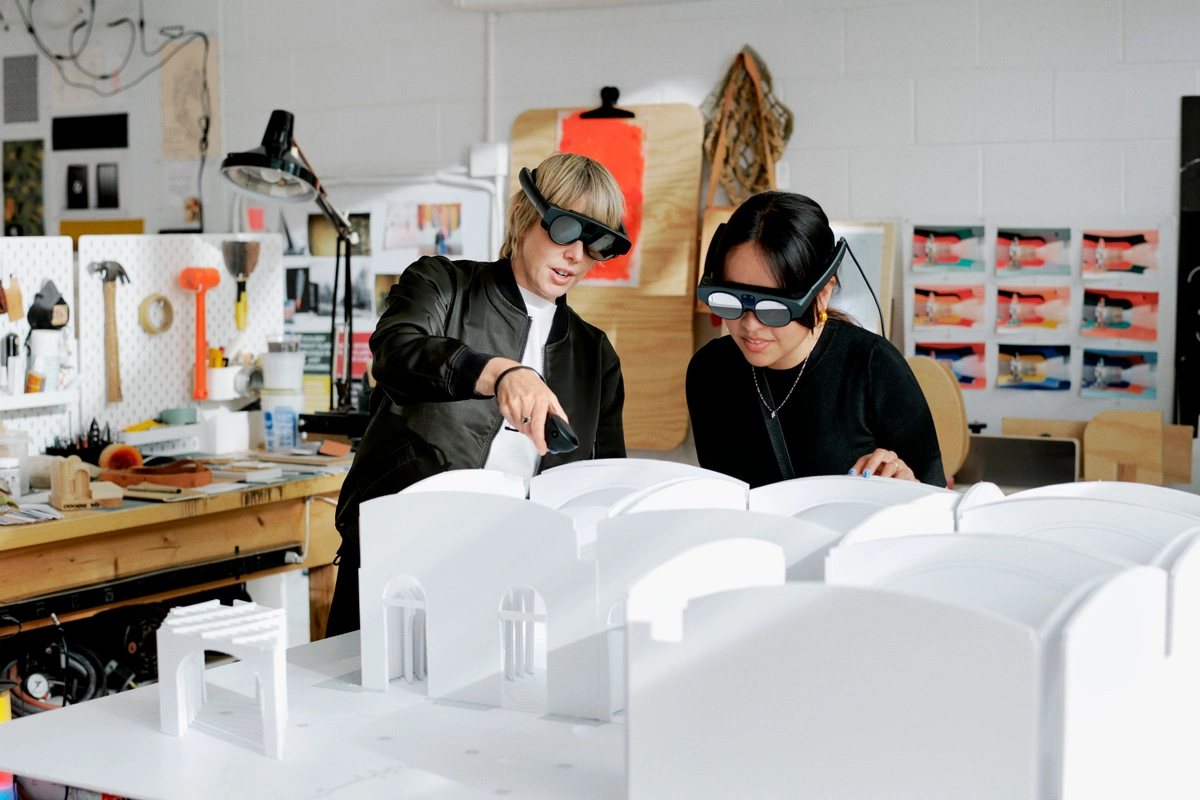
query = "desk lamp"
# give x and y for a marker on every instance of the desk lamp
(277, 170)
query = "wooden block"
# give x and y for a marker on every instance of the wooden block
(944, 396)
(329, 447)
(1032, 426)
(71, 488)
(1124, 445)
(1177, 453)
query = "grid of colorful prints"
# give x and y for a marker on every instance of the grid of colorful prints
(1024, 308)
(1034, 367)
(940, 248)
(948, 306)
(1113, 253)
(1116, 314)
(1033, 251)
(1120, 373)
(965, 360)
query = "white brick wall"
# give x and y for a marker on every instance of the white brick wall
(970, 108)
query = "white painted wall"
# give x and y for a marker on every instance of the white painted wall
(141, 167)
(904, 110)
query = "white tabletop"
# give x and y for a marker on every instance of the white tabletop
(340, 742)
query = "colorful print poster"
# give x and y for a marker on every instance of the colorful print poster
(1034, 367)
(1022, 308)
(1119, 373)
(947, 249)
(948, 306)
(1113, 314)
(23, 212)
(620, 145)
(965, 360)
(1110, 254)
(434, 229)
(1033, 251)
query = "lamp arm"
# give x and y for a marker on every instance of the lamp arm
(339, 221)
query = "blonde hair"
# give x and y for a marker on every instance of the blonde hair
(565, 180)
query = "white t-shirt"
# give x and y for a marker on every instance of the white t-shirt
(511, 451)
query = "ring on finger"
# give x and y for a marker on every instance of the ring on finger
(526, 420)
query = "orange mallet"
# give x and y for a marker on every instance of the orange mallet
(200, 280)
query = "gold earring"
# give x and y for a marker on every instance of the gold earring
(824, 316)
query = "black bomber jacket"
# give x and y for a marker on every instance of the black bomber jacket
(444, 321)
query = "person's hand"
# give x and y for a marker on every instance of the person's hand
(884, 464)
(524, 399)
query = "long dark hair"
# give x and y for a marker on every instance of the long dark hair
(794, 235)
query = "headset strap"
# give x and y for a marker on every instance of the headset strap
(775, 433)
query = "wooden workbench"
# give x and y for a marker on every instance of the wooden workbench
(93, 548)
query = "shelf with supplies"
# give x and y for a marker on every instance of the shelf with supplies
(20, 402)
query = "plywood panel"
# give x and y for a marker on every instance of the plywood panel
(1033, 426)
(1177, 454)
(650, 324)
(1124, 445)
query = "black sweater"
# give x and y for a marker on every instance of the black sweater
(856, 394)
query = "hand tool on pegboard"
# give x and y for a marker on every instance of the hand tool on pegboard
(240, 259)
(112, 272)
(200, 280)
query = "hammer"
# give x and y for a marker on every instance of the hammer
(200, 280)
(112, 364)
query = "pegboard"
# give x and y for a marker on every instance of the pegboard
(34, 260)
(157, 370)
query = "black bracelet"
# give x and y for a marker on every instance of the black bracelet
(496, 385)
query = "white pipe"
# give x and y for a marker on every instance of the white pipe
(489, 111)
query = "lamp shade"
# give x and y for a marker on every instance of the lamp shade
(272, 170)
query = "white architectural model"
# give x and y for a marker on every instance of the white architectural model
(247, 631)
(925, 644)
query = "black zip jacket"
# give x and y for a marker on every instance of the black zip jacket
(444, 321)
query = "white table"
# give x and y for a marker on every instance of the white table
(340, 742)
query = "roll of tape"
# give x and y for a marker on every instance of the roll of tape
(179, 416)
(145, 310)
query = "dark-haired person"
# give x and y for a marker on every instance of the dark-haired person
(837, 398)
(469, 358)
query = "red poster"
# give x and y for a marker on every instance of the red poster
(362, 354)
(618, 144)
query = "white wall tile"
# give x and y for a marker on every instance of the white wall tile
(928, 182)
(1054, 179)
(389, 140)
(1026, 33)
(911, 37)
(1162, 30)
(1152, 177)
(1135, 101)
(276, 25)
(331, 78)
(846, 112)
(985, 106)
(823, 175)
(460, 125)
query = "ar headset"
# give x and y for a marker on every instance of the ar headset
(773, 309)
(567, 227)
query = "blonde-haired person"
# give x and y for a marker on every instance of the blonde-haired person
(471, 357)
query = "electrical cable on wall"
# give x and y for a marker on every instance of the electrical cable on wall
(174, 34)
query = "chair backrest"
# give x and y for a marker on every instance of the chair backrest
(1136, 533)
(606, 480)
(944, 396)
(1141, 494)
(484, 481)
(683, 493)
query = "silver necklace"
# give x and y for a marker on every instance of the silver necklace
(775, 410)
